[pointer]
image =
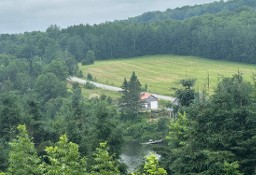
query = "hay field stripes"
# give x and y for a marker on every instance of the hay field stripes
(161, 72)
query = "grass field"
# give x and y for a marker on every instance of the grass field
(161, 72)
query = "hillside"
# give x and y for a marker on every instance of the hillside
(203, 133)
(161, 72)
(196, 10)
(226, 33)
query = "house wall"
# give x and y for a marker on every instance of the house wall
(154, 105)
(145, 105)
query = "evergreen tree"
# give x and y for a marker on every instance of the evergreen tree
(23, 157)
(11, 114)
(221, 130)
(90, 58)
(186, 94)
(130, 99)
(64, 158)
(104, 164)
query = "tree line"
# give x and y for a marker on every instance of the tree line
(226, 34)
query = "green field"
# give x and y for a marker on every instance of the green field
(161, 72)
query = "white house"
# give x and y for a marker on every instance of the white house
(149, 101)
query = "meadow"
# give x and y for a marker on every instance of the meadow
(162, 72)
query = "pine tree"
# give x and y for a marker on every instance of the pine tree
(90, 58)
(23, 157)
(217, 137)
(186, 94)
(64, 158)
(130, 99)
(104, 163)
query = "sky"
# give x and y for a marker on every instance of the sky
(18, 16)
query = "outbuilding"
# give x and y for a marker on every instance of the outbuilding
(149, 101)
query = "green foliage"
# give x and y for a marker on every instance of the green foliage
(186, 94)
(219, 130)
(161, 77)
(89, 77)
(214, 137)
(214, 32)
(179, 131)
(23, 157)
(64, 158)
(72, 66)
(59, 68)
(232, 168)
(104, 163)
(89, 85)
(89, 59)
(49, 86)
(151, 166)
(130, 100)
(107, 128)
(11, 114)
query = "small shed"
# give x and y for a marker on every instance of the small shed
(149, 101)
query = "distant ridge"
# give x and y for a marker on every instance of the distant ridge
(196, 10)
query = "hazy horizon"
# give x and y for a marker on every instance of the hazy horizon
(18, 16)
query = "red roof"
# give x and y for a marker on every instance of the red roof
(144, 95)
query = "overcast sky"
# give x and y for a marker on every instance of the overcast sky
(18, 16)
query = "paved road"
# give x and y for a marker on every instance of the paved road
(116, 89)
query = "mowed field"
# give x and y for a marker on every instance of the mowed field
(162, 72)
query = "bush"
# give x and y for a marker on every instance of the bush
(89, 77)
(89, 85)
(79, 73)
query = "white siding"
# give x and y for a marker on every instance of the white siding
(154, 105)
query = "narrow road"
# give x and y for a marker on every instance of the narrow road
(113, 88)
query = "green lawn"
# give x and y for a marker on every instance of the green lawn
(161, 72)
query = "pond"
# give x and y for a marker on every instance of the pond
(134, 155)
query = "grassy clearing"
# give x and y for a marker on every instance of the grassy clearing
(90, 93)
(161, 72)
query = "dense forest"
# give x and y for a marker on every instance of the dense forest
(219, 30)
(35, 94)
(48, 126)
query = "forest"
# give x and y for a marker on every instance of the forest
(219, 30)
(48, 126)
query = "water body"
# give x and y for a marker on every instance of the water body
(134, 155)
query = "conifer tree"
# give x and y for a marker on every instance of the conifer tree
(130, 99)
(64, 158)
(23, 158)
(104, 163)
